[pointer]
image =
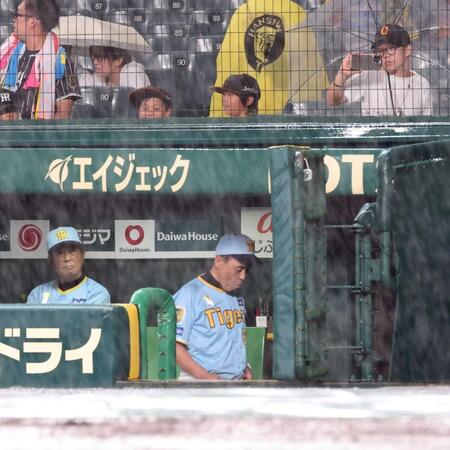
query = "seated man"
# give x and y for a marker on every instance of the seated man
(394, 89)
(8, 108)
(240, 95)
(66, 257)
(211, 316)
(35, 67)
(151, 102)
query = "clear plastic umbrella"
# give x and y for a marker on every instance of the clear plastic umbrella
(342, 26)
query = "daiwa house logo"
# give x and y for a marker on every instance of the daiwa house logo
(134, 234)
(58, 171)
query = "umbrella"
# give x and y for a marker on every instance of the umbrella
(81, 32)
(342, 26)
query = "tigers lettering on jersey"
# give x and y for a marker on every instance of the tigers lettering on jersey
(228, 317)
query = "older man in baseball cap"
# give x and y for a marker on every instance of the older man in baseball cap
(72, 286)
(211, 315)
(240, 95)
(393, 90)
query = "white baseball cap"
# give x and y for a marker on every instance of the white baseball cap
(235, 244)
(62, 234)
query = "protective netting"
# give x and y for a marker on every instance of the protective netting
(293, 51)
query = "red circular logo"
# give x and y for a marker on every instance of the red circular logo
(30, 237)
(134, 234)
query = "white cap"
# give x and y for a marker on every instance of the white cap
(62, 234)
(235, 244)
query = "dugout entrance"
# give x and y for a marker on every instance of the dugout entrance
(401, 252)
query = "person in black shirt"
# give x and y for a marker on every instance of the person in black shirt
(35, 67)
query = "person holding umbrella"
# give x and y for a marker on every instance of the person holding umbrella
(115, 67)
(35, 67)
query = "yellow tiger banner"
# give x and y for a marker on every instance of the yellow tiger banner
(269, 40)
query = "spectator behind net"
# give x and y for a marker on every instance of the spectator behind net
(396, 89)
(8, 108)
(35, 67)
(151, 102)
(115, 67)
(240, 95)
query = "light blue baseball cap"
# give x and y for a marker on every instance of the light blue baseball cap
(235, 244)
(61, 235)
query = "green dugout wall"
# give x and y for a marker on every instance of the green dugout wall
(180, 172)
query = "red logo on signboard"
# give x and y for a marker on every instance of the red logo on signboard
(30, 237)
(265, 223)
(134, 234)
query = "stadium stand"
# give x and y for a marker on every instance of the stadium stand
(186, 35)
(104, 103)
(81, 7)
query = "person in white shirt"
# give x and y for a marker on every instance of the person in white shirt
(114, 67)
(393, 90)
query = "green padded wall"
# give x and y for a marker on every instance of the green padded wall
(299, 264)
(417, 206)
(35, 341)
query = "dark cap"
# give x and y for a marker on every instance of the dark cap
(242, 84)
(393, 34)
(7, 103)
(138, 95)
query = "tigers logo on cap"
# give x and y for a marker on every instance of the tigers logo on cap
(384, 31)
(61, 235)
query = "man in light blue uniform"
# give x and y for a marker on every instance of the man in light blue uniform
(211, 316)
(66, 257)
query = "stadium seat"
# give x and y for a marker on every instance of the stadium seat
(72, 8)
(108, 102)
(100, 8)
(120, 16)
(210, 22)
(171, 61)
(84, 63)
(120, 103)
(102, 102)
(85, 107)
(7, 7)
(216, 4)
(178, 6)
(205, 45)
(309, 5)
(168, 38)
(142, 20)
(5, 31)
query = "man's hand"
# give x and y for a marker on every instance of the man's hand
(248, 374)
(345, 71)
(335, 93)
(188, 365)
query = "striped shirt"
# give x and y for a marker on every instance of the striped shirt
(67, 87)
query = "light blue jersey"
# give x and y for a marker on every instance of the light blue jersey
(211, 323)
(87, 292)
